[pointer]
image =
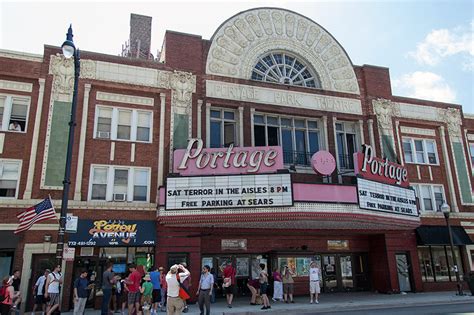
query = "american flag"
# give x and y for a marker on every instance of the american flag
(40, 212)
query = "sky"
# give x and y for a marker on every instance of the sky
(427, 45)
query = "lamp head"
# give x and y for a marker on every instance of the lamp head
(68, 46)
(445, 208)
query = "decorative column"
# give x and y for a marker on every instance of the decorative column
(208, 125)
(361, 131)
(252, 113)
(241, 126)
(371, 135)
(199, 113)
(447, 164)
(161, 147)
(385, 110)
(326, 133)
(34, 141)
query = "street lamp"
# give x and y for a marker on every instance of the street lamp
(446, 211)
(69, 50)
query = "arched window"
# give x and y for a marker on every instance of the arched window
(277, 67)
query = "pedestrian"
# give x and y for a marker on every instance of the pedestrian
(164, 287)
(263, 280)
(53, 287)
(8, 294)
(187, 286)
(277, 285)
(205, 289)
(81, 284)
(38, 291)
(123, 295)
(229, 282)
(254, 287)
(108, 280)
(156, 295)
(175, 304)
(314, 287)
(16, 287)
(133, 286)
(288, 285)
(146, 290)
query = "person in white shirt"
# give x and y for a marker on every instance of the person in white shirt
(53, 282)
(175, 304)
(39, 289)
(14, 126)
(314, 288)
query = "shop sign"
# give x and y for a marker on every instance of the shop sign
(69, 253)
(231, 160)
(113, 233)
(234, 244)
(338, 244)
(71, 223)
(379, 170)
(235, 191)
(386, 198)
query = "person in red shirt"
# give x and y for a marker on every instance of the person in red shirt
(133, 286)
(164, 287)
(229, 282)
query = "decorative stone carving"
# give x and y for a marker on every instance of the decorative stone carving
(452, 118)
(385, 110)
(62, 70)
(183, 85)
(238, 44)
(88, 69)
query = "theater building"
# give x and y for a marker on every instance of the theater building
(245, 147)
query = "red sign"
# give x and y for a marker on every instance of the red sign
(379, 170)
(323, 162)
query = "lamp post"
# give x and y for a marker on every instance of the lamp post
(69, 50)
(446, 211)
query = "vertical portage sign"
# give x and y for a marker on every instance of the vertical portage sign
(383, 185)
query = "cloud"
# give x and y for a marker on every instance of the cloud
(442, 43)
(425, 85)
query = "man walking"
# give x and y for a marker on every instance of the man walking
(205, 289)
(39, 290)
(133, 286)
(229, 282)
(108, 280)
(53, 284)
(80, 293)
(175, 304)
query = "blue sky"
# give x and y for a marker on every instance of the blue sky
(428, 45)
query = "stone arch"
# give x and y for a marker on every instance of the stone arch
(241, 40)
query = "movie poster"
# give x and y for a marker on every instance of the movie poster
(302, 266)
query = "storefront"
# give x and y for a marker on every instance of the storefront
(7, 252)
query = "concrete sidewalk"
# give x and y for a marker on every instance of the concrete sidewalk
(333, 302)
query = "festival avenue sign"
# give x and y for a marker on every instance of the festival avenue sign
(113, 233)
(383, 185)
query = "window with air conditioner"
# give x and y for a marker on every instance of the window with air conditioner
(420, 151)
(119, 184)
(123, 124)
(13, 113)
(9, 178)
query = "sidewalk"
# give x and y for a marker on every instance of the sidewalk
(332, 302)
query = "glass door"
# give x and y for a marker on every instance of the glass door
(330, 273)
(403, 271)
(347, 282)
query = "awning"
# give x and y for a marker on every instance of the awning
(9, 240)
(438, 235)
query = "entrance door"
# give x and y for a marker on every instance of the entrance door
(347, 282)
(403, 271)
(330, 273)
(39, 263)
(337, 271)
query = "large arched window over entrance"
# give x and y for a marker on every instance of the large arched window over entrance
(284, 68)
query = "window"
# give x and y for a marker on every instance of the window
(430, 197)
(284, 68)
(426, 266)
(420, 151)
(471, 150)
(123, 124)
(346, 144)
(298, 137)
(118, 183)
(9, 178)
(13, 113)
(223, 128)
(436, 263)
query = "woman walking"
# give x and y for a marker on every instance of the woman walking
(277, 285)
(263, 279)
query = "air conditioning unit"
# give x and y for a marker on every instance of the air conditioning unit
(120, 197)
(103, 134)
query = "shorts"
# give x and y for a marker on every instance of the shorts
(146, 299)
(288, 288)
(39, 299)
(53, 298)
(263, 288)
(314, 287)
(229, 289)
(156, 295)
(133, 297)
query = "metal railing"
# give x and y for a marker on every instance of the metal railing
(346, 162)
(297, 158)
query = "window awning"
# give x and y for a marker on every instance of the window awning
(438, 235)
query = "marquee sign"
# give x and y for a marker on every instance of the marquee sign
(235, 191)
(231, 160)
(113, 233)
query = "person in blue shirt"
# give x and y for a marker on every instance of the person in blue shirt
(156, 297)
(81, 286)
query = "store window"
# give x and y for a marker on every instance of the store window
(284, 68)
(117, 183)
(177, 258)
(299, 137)
(13, 113)
(430, 197)
(420, 151)
(346, 139)
(9, 178)
(437, 265)
(223, 128)
(123, 124)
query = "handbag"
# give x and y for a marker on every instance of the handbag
(183, 292)
(227, 282)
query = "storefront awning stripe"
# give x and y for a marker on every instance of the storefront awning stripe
(438, 235)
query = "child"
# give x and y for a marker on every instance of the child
(146, 290)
